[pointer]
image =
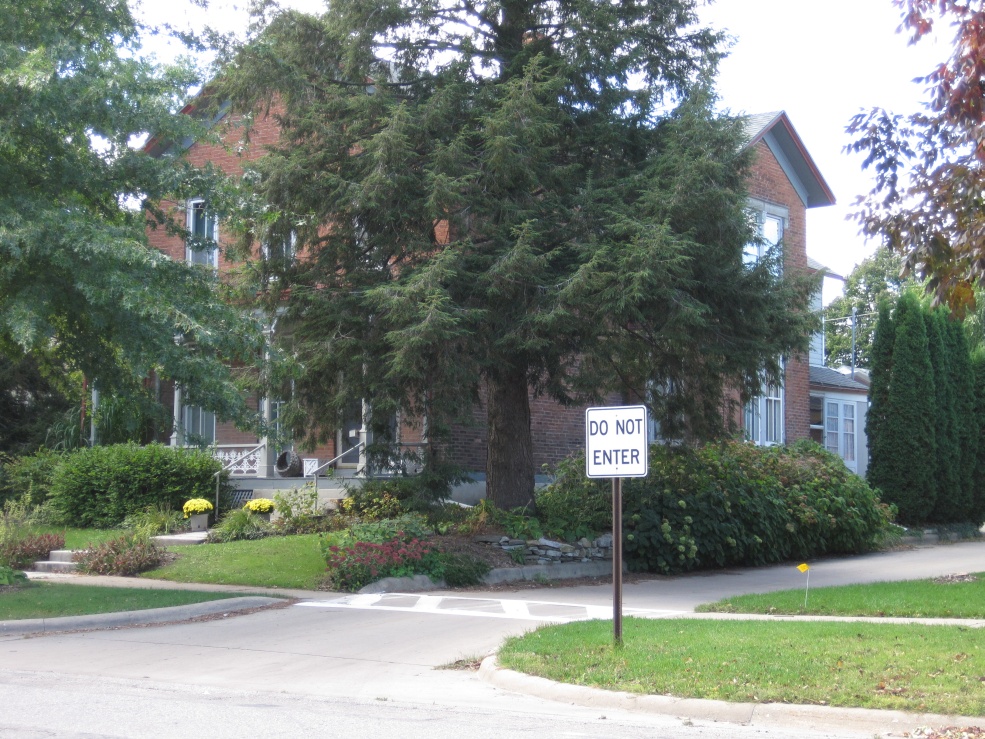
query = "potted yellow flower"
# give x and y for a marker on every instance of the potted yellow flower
(197, 512)
(262, 507)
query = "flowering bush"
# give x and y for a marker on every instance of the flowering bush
(353, 566)
(259, 505)
(195, 506)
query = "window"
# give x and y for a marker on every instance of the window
(202, 246)
(279, 254)
(762, 418)
(768, 222)
(817, 419)
(199, 425)
(839, 430)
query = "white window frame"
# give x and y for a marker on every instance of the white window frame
(764, 417)
(288, 253)
(205, 257)
(841, 429)
(762, 213)
(198, 423)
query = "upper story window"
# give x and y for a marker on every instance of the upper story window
(279, 254)
(203, 236)
(769, 222)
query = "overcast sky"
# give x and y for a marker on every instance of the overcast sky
(820, 62)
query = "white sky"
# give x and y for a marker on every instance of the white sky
(820, 62)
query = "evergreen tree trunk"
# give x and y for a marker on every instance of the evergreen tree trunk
(509, 460)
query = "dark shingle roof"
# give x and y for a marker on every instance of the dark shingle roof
(827, 377)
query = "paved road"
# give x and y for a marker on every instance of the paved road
(370, 662)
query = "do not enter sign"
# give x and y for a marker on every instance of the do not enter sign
(615, 441)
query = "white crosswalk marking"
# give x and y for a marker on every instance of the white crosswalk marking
(454, 605)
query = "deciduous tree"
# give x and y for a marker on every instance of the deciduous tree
(77, 283)
(930, 166)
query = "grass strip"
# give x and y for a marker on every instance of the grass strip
(938, 669)
(79, 538)
(50, 600)
(272, 562)
(912, 599)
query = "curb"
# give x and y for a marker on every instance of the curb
(764, 715)
(134, 618)
(496, 576)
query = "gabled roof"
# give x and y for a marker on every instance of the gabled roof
(826, 377)
(779, 135)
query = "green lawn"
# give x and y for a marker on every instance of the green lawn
(914, 598)
(276, 561)
(49, 600)
(937, 669)
(79, 538)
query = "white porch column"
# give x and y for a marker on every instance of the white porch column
(268, 453)
(178, 435)
(364, 440)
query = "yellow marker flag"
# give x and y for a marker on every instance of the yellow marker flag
(803, 567)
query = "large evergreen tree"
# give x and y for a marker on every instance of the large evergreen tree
(967, 432)
(881, 370)
(904, 457)
(947, 475)
(79, 289)
(505, 195)
(977, 507)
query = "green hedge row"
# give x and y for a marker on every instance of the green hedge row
(100, 486)
(721, 505)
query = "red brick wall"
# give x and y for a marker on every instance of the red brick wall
(768, 182)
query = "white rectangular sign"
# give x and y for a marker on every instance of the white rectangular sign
(615, 441)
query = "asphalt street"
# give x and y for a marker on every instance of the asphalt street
(366, 665)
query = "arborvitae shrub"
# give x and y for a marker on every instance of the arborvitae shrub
(101, 486)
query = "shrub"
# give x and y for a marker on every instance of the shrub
(101, 486)
(724, 504)
(12, 577)
(22, 553)
(155, 519)
(407, 526)
(127, 555)
(355, 566)
(30, 475)
(418, 493)
(298, 511)
(239, 524)
(459, 570)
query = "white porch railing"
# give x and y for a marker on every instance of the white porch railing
(242, 460)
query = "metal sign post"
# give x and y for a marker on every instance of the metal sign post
(616, 447)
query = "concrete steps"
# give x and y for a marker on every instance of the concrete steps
(58, 561)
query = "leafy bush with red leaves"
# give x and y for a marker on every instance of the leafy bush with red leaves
(127, 555)
(358, 564)
(22, 552)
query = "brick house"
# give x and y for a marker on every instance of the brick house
(784, 182)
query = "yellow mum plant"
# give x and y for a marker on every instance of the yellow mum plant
(195, 506)
(259, 505)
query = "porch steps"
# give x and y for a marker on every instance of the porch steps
(59, 560)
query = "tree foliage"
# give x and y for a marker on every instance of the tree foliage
(872, 280)
(79, 289)
(507, 195)
(930, 166)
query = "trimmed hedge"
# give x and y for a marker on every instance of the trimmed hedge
(101, 486)
(721, 505)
